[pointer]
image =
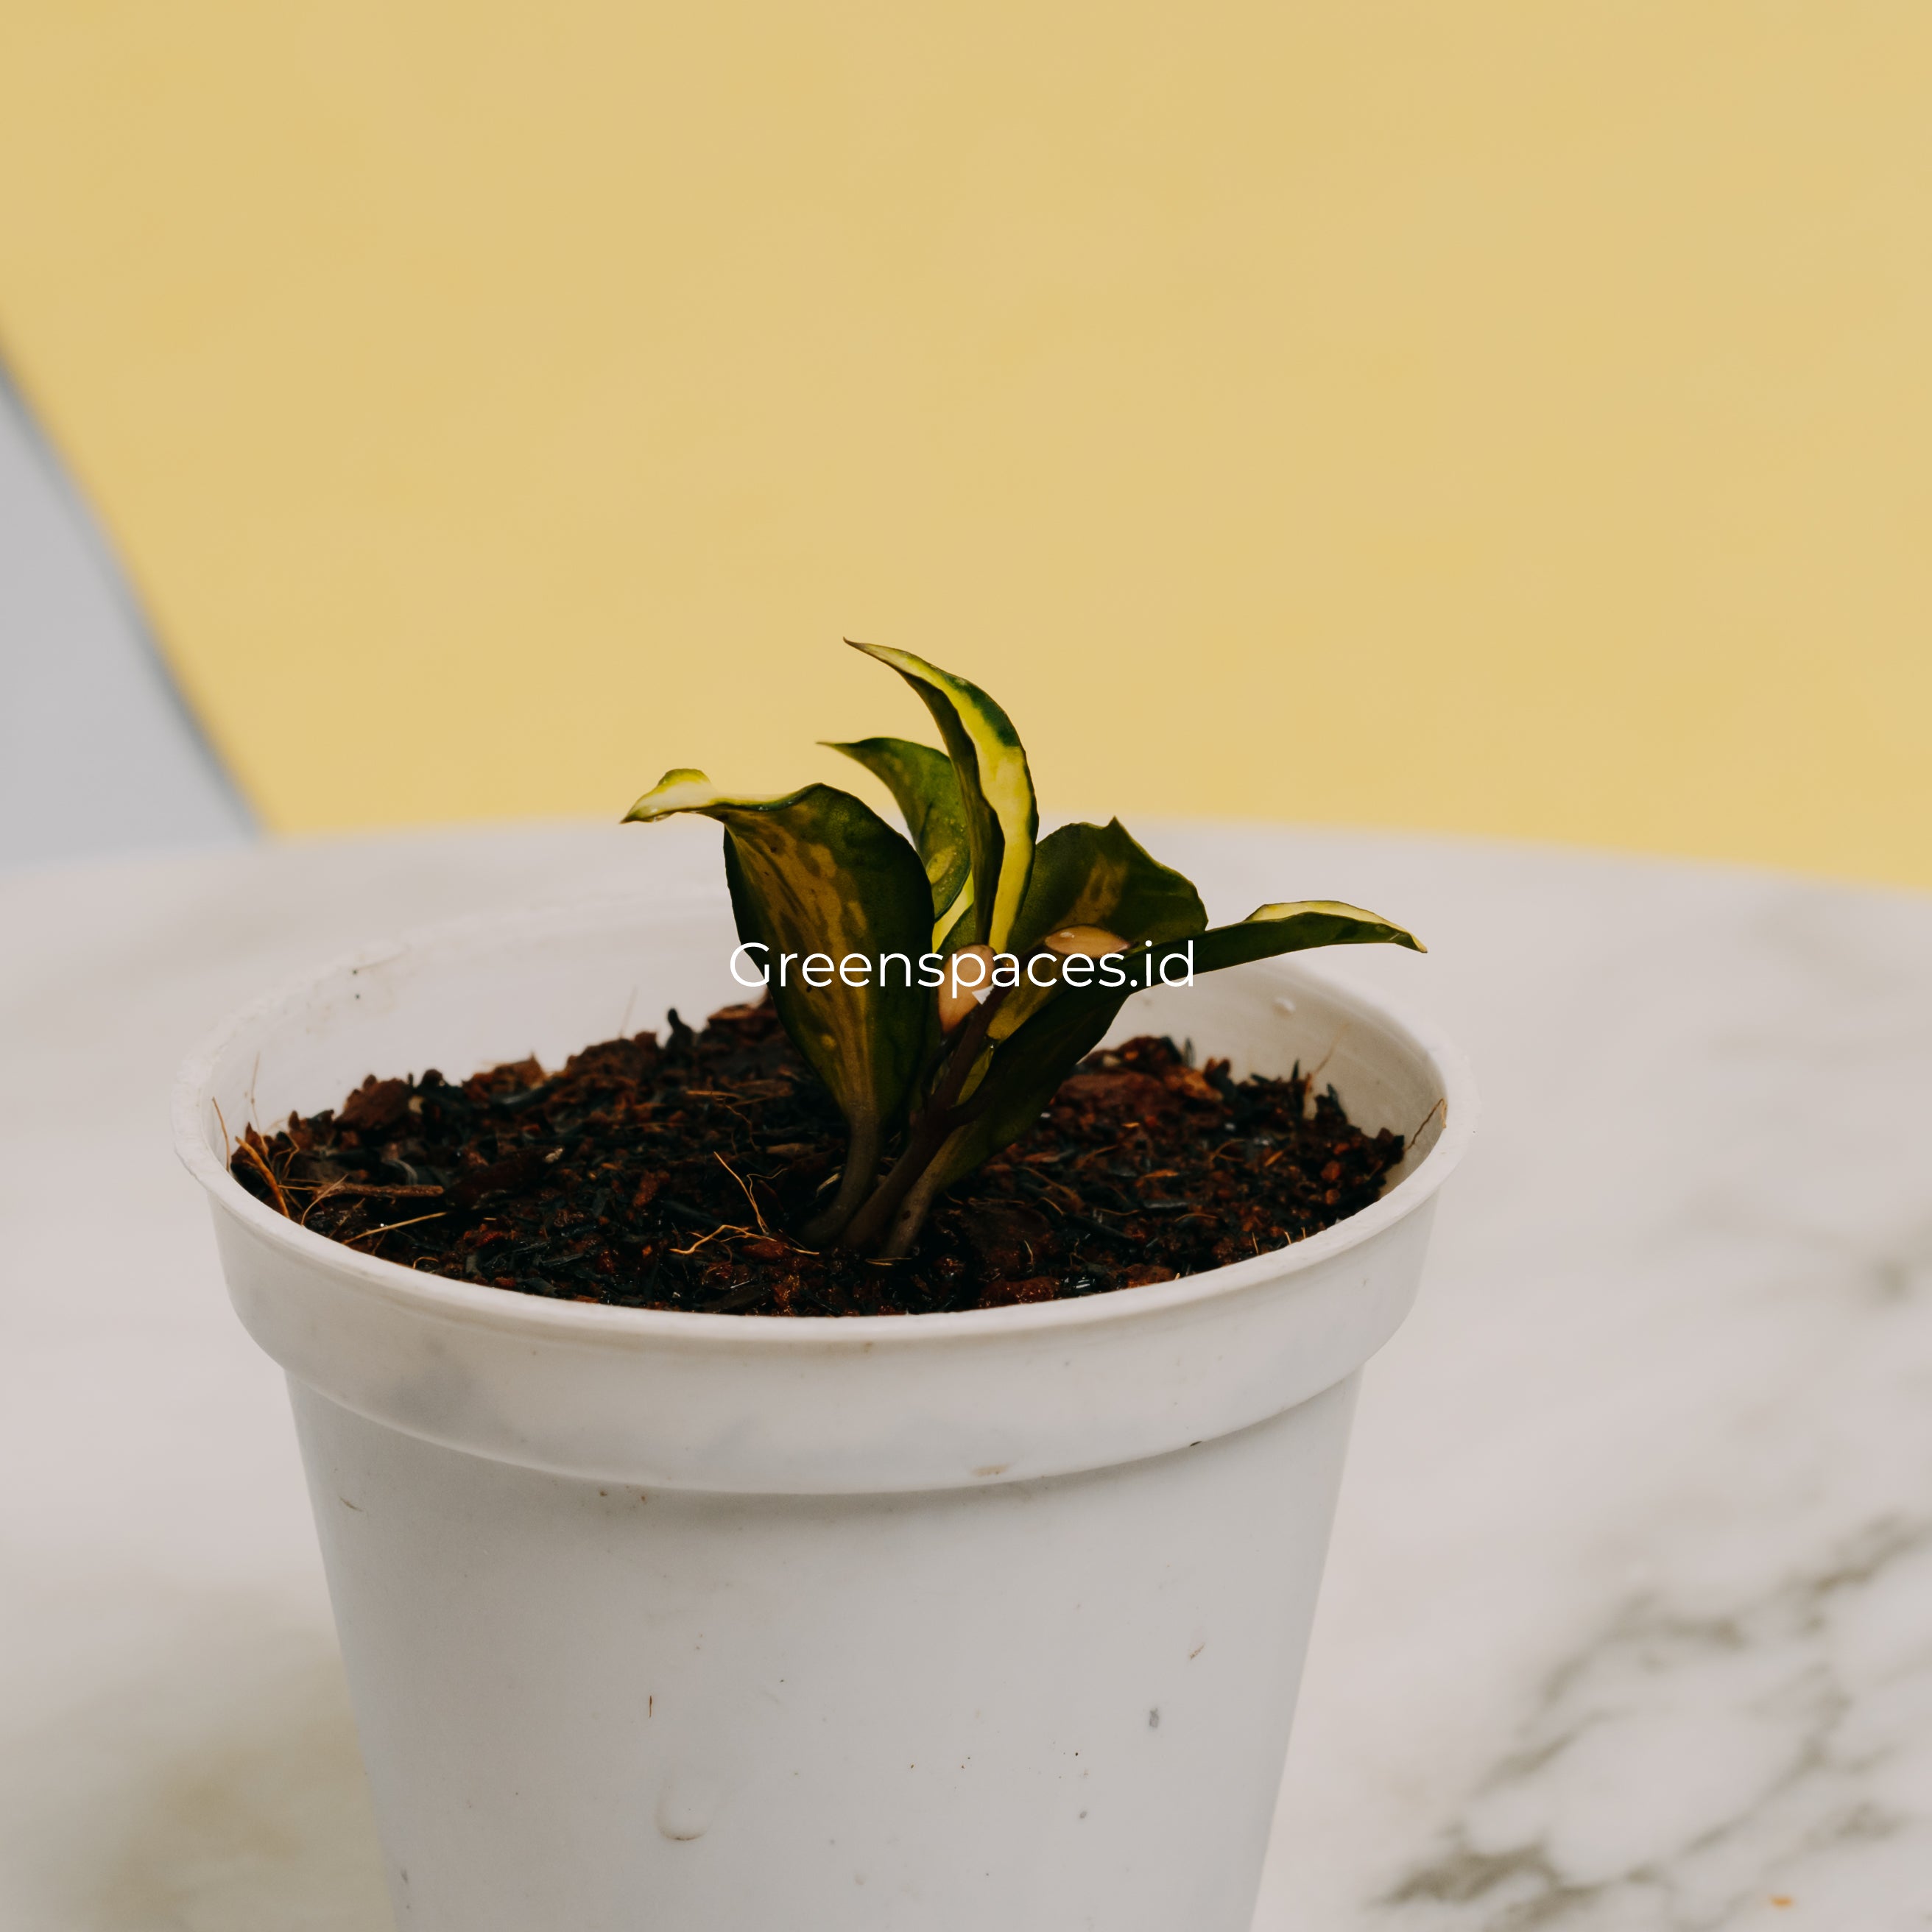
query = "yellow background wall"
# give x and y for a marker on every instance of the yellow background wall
(1507, 418)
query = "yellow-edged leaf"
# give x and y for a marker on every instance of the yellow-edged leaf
(995, 792)
(1027, 1068)
(815, 874)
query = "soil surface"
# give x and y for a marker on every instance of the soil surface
(664, 1174)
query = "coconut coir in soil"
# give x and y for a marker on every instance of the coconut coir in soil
(651, 1174)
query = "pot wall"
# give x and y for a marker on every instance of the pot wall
(683, 1622)
(1026, 1708)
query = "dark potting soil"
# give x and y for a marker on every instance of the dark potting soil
(650, 1174)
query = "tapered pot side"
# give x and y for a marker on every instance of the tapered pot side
(651, 1618)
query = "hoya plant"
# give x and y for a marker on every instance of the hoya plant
(942, 985)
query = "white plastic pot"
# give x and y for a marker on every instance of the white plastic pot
(665, 1622)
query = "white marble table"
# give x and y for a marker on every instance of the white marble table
(1629, 1620)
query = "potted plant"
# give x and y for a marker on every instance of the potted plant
(657, 1611)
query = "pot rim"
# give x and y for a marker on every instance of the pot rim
(479, 1305)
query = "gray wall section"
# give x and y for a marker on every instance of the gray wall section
(98, 753)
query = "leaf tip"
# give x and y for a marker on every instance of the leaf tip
(885, 654)
(677, 791)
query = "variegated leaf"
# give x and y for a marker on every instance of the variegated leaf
(1101, 875)
(1026, 1069)
(818, 871)
(995, 792)
(923, 786)
(1096, 875)
(1294, 927)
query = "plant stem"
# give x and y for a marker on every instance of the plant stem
(929, 1132)
(862, 1163)
(919, 1200)
(923, 1142)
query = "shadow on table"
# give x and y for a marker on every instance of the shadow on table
(218, 1791)
(262, 1821)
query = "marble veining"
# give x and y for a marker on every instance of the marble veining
(1628, 1623)
(1684, 1768)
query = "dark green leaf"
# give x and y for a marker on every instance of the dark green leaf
(1096, 875)
(818, 871)
(1099, 875)
(923, 786)
(1026, 1069)
(1292, 928)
